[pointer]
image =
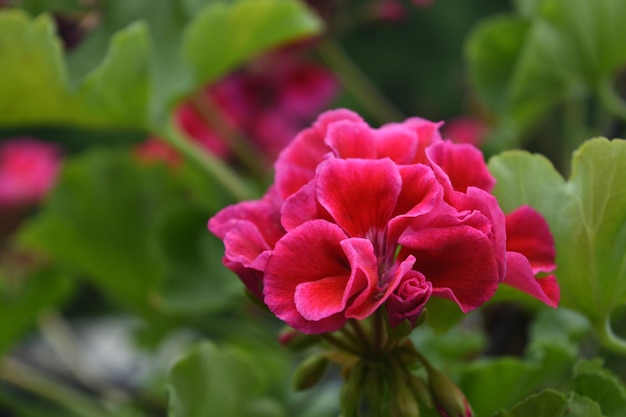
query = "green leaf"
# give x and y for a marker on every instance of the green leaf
(101, 219)
(23, 298)
(223, 36)
(158, 52)
(211, 381)
(593, 381)
(548, 403)
(553, 52)
(587, 216)
(195, 279)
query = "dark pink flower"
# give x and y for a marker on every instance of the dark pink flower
(466, 129)
(28, 170)
(362, 218)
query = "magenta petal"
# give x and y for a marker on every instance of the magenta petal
(458, 261)
(397, 143)
(427, 134)
(317, 300)
(351, 140)
(309, 253)
(365, 291)
(462, 164)
(408, 300)
(302, 206)
(521, 276)
(359, 194)
(296, 164)
(527, 232)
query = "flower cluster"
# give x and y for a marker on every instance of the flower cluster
(360, 219)
(28, 170)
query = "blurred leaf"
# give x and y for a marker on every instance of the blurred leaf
(593, 381)
(100, 220)
(22, 302)
(587, 216)
(497, 383)
(150, 64)
(208, 381)
(223, 36)
(195, 279)
(550, 403)
(555, 51)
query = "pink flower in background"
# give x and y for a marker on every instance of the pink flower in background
(466, 129)
(362, 218)
(28, 170)
(268, 102)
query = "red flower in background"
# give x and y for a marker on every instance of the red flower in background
(28, 170)
(361, 218)
(466, 129)
(268, 102)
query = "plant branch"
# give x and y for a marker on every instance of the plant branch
(212, 165)
(357, 83)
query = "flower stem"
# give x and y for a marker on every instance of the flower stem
(357, 83)
(208, 111)
(608, 338)
(30, 379)
(610, 99)
(212, 165)
(341, 344)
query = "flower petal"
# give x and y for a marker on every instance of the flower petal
(296, 164)
(462, 165)
(359, 194)
(458, 260)
(527, 232)
(521, 276)
(309, 253)
(350, 139)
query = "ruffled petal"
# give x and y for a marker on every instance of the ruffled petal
(349, 139)
(309, 253)
(460, 165)
(359, 194)
(521, 276)
(396, 142)
(527, 232)
(296, 164)
(457, 260)
(427, 134)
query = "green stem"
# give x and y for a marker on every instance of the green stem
(358, 329)
(30, 379)
(609, 339)
(208, 111)
(341, 344)
(611, 100)
(357, 83)
(214, 166)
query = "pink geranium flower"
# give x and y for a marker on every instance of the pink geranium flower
(28, 170)
(361, 219)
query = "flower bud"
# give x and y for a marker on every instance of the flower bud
(352, 390)
(405, 402)
(448, 398)
(310, 372)
(420, 390)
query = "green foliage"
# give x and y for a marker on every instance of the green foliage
(100, 220)
(24, 298)
(553, 52)
(152, 61)
(212, 381)
(586, 214)
(550, 403)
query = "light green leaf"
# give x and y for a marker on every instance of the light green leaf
(552, 52)
(593, 381)
(223, 36)
(211, 381)
(548, 403)
(587, 216)
(158, 52)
